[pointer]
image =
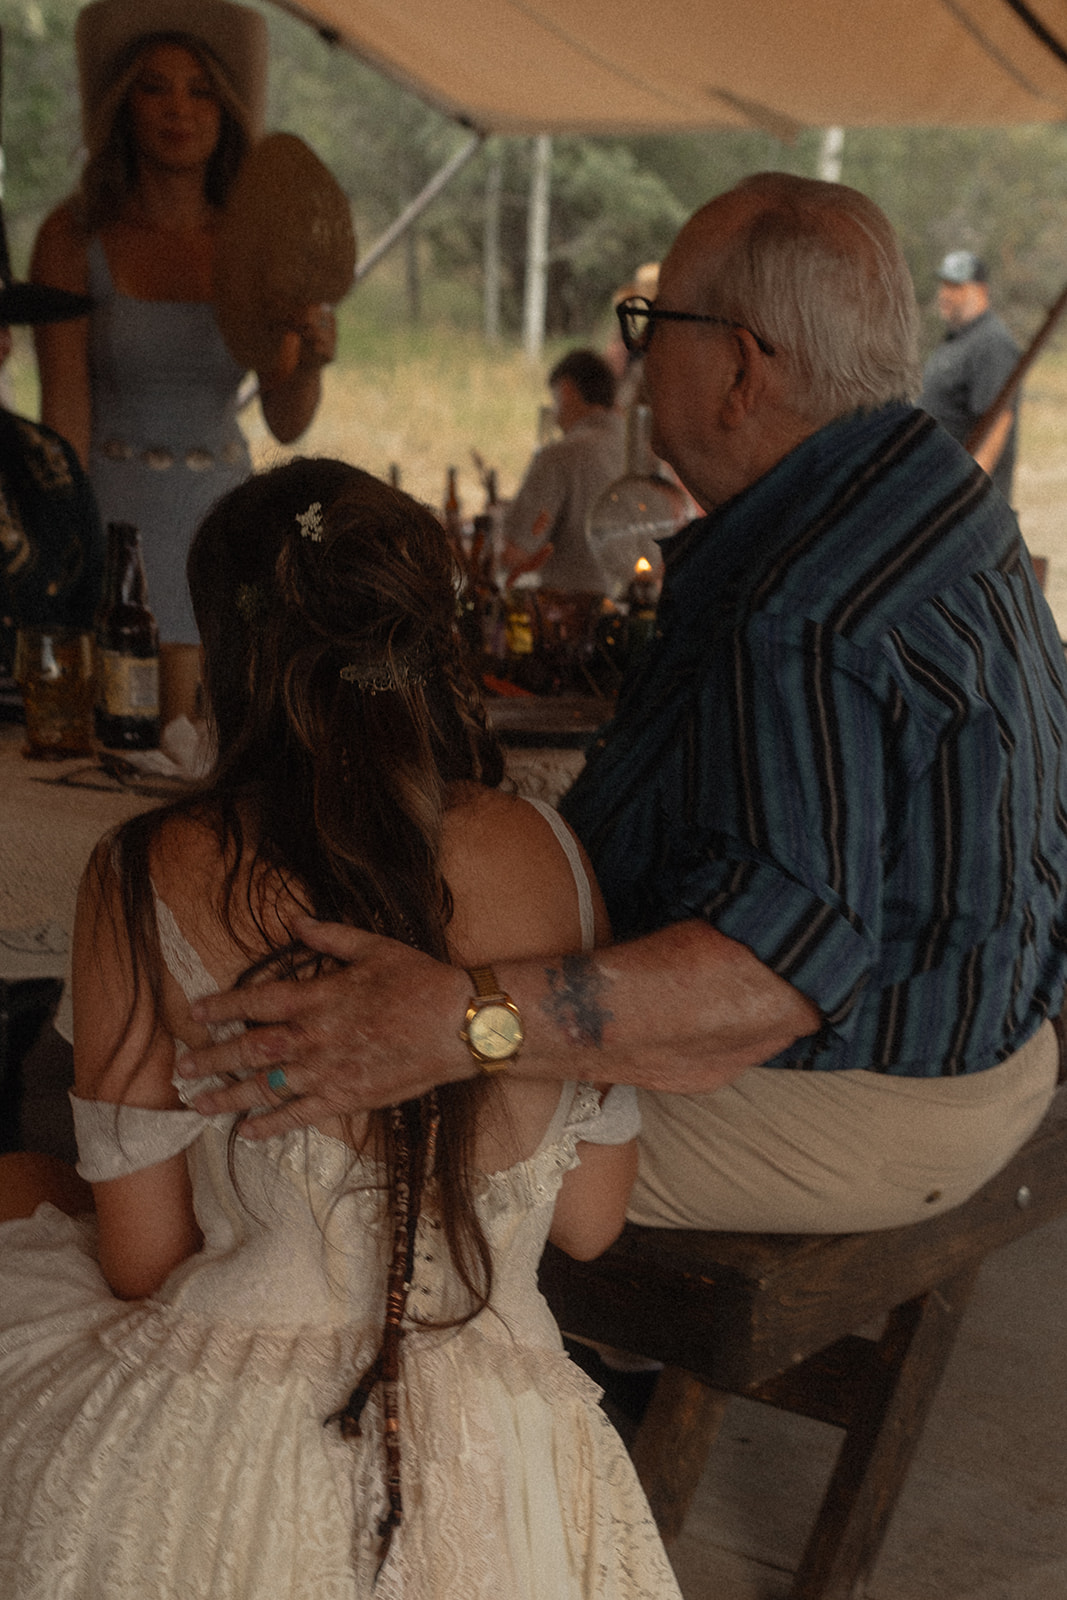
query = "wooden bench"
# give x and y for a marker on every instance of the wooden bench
(774, 1317)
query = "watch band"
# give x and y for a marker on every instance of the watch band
(484, 980)
(489, 997)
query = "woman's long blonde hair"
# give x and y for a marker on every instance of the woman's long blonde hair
(110, 173)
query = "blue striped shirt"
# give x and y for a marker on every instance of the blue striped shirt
(847, 749)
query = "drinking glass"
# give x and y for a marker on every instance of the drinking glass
(54, 673)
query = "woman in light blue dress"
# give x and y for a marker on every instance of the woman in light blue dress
(144, 388)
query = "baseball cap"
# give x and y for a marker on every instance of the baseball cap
(962, 266)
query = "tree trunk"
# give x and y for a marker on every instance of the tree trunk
(829, 165)
(537, 250)
(491, 247)
(412, 276)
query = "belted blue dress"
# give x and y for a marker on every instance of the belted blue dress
(165, 440)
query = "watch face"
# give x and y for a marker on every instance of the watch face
(495, 1032)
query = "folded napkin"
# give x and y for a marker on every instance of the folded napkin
(185, 751)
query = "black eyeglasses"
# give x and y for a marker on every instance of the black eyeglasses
(638, 317)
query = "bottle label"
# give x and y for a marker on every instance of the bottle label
(129, 685)
(520, 634)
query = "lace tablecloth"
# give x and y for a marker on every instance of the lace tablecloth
(48, 829)
(544, 774)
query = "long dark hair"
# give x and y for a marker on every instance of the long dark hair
(343, 709)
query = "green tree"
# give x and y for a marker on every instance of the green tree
(1001, 192)
(41, 129)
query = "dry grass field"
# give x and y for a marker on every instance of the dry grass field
(425, 410)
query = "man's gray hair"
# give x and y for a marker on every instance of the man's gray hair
(819, 273)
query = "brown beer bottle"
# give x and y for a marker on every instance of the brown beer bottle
(127, 649)
(453, 517)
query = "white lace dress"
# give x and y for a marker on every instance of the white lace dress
(174, 1448)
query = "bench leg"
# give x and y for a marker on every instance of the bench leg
(907, 1365)
(672, 1444)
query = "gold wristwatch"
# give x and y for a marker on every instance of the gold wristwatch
(492, 1028)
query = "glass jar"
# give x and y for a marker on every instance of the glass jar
(54, 673)
(635, 511)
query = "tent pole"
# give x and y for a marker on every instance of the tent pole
(1016, 376)
(424, 198)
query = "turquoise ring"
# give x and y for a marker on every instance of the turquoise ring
(278, 1084)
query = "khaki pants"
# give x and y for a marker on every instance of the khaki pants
(779, 1151)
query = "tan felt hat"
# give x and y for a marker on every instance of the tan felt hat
(645, 282)
(285, 241)
(105, 30)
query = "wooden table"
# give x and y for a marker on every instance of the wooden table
(561, 722)
(546, 739)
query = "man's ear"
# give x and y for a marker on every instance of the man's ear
(749, 381)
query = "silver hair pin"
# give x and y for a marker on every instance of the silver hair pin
(380, 677)
(311, 522)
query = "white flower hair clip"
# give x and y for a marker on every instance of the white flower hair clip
(311, 522)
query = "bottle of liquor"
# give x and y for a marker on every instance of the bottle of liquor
(453, 513)
(494, 521)
(521, 668)
(609, 648)
(485, 537)
(127, 646)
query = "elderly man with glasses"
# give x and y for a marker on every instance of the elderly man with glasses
(830, 814)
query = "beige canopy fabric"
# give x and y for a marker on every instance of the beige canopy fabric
(633, 66)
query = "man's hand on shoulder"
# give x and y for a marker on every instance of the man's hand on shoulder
(382, 1029)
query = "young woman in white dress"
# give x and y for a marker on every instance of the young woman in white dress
(317, 1366)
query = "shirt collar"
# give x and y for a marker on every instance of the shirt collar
(770, 512)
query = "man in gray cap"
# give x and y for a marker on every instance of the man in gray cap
(965, 373)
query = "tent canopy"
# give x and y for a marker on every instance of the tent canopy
(619, 66)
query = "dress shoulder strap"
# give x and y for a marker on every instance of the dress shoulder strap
(183, 962)
(182, 959)
(100, 284)
(581, 878)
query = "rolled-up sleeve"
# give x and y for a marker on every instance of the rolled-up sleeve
(787, 810)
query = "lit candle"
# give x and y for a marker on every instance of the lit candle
(644, 590)
(642, 595)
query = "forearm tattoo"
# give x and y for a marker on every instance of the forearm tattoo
(573, 1001)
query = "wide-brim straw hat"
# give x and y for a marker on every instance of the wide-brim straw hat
(645, 282)
(105, 31)
(285, 241)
